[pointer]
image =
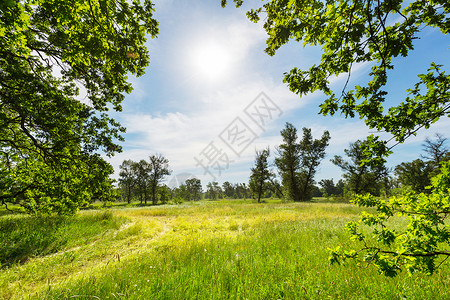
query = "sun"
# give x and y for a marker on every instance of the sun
(211, 60)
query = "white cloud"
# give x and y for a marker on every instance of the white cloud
(180, 136)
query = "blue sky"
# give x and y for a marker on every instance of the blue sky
(208, 67)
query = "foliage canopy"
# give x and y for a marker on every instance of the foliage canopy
(356, 32)
(422, 245)
(52, 53)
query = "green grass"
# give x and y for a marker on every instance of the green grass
(23, 237)
(230, 249)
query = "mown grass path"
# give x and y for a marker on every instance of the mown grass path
(214, 250)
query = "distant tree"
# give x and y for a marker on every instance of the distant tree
(340, 187)
(228, 189)
(164, 193)
(288, 162)
(415, 174)
(213, 190)
(159, 167)
(181, 192)
(142, 171)
(316, 192)
(329, 187)
(436, 150)
(194, 189)
(311, 153)
(361, 178)
(241, 191)
(260, 174)
(418, 173)
(127, 179)
(297, 162)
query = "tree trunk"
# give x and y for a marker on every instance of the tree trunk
(260, 190)
(154, 186)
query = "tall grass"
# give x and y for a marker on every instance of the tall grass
(22, 237)
(228, 250)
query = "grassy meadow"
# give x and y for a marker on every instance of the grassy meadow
(227, 249)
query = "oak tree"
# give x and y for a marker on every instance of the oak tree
(423, 245)
(355, 32)
(50, 51)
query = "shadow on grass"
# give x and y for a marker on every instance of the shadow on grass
(23, 237)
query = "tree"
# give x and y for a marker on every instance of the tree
(329, 188)
(276, 187)
(127, 179)
(49, 140)
(213, 190)
(181, 192)
(418, 173)
(141, 172)
(261, 175)
(194, 188)
(311, 153)
(297, 162)
(159, 168)
(361, 178)
(288, 161)
(228, 189)
(421, 246)
(164, 193)
(241, 190)
(415, 174)
(435, 150)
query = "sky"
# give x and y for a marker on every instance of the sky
(211, 97)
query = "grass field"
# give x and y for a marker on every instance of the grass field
(228, 249)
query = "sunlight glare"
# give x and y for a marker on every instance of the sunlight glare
(211, 61)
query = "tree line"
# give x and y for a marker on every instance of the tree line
(296, 163)
(143, 179)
